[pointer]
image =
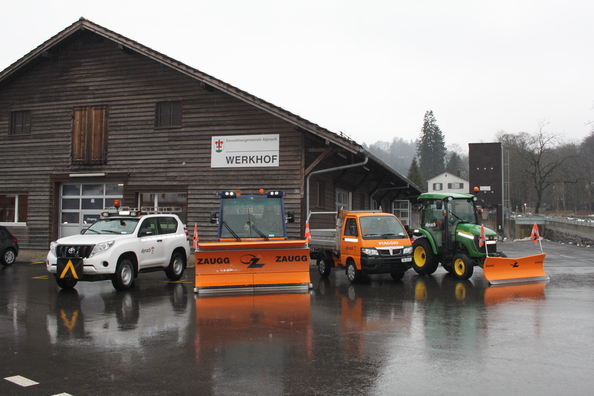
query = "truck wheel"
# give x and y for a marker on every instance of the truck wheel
(352, 272)
(397, 275)
(8, 257)
(424, 260)
(462, 266)
(324, 267)
(123, 279)
(176, 267)
(67, 284)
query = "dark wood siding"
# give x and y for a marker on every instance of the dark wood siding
(90, 71)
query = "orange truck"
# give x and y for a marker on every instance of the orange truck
(363, 242)
(253, 251)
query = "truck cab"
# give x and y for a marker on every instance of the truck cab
(365, 242)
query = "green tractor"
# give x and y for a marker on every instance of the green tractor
(450, 234)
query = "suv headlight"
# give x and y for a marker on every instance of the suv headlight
(101, 247)
(407, 250)
(53, 247)
(369, 251)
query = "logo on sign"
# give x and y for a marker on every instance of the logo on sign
(218, 146)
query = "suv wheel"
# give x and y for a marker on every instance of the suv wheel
(176, 267)
(123, 279)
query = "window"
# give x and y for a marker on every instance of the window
(456, 186)
(401, 209)
(20, 123)
(89, 135)
(437, 186)
(350, 228)
(168, 114)
(343, 200)
(13, 208)
(321, 192)
(176, 201)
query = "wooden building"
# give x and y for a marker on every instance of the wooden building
(91, 116)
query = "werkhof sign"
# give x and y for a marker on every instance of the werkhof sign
(245, 151)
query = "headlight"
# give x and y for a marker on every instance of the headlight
(53, 246)
(407, 250)
(369, 251)
(101, 247)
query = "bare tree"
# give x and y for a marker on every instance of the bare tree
(538, 159)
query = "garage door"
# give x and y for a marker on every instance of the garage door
(82, 203)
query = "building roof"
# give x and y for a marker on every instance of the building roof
(83, 24)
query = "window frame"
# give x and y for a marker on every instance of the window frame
(174, 120)
(23, 126)
(21, 209)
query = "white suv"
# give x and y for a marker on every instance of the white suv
(118, 246)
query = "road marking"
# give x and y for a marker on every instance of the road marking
(22, 381)
(62, 394)
(40, 277)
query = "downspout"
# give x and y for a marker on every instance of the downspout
(324, 171)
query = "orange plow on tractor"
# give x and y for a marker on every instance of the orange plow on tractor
(499, 270)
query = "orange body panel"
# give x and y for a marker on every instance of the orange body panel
(498, 270)
(250, 264)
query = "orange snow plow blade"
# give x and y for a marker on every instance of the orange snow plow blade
(500, 270)
(244, 266)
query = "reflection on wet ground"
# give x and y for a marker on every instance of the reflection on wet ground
(421, 335)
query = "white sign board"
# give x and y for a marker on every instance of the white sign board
(244, 151)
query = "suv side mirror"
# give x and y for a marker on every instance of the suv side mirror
(146, 231)
(290, 216)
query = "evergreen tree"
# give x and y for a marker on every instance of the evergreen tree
(414, 174)
(431, 148)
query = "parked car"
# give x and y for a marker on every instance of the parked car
(9, 246)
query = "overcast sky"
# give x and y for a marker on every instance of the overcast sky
(369, 69)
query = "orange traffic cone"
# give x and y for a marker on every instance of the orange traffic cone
(196, 239)
(307, 233)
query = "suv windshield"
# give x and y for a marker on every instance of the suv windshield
(382, 227)
(113, 226)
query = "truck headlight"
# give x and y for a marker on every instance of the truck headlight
(407, 250)
(369, 251)
(53, 247)
(101, 247)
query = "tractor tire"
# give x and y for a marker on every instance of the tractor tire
(425, 262)
(462, 266)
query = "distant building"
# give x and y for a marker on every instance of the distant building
(486, 172)
(446, 182)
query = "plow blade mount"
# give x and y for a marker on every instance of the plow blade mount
(500, 270)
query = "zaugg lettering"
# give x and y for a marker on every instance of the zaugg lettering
(212, 260)
(283, 259)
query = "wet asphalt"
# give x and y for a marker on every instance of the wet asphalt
(420, 336)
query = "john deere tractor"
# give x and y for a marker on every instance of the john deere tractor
(450, 234)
